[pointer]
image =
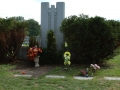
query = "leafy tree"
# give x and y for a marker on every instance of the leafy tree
(33, 27)
(12, 33)
(51, 41)
(33, 42)
(49, 54)
(51, 46)
(19, 18)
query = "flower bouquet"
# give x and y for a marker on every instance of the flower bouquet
(94, 67)
(67, 57)
(33, 54)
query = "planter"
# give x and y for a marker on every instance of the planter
(36, 60)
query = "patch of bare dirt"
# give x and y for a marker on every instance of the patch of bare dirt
(29, 69)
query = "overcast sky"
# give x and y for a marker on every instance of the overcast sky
(31, 9)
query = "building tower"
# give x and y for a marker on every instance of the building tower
(51, 18)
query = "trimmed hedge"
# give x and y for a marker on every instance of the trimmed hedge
(90, 40)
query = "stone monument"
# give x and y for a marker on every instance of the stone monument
(51, 18)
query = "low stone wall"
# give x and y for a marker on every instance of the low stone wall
(22, 54)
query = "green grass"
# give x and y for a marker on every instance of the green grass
(9, 82)
(112, 67)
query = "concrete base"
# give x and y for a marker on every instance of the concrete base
(17, 75)
(112, 78)
(54, 76)
(82, 78)
(36, 60)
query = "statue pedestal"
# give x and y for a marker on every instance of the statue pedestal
(36, 60)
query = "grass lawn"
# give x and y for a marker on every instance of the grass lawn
(9, 82)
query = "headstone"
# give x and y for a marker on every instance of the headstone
(17, 75)
(26, 40)
(112, 78)
(82, 78)
(51, 18)
(54, 76)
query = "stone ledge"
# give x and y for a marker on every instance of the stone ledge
(82, 78)
(54, 76)
(17, 75)
(112, 78)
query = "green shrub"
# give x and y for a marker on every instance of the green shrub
(50, 55)
(12, 33)
(115, 31)
(47, 57)
(33, 42)
(90, 39)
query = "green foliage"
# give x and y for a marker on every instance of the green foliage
(51, 41)
(90, 39)
(50, 55)
(33, 27)
(11, 24)
(33, 41)
(115, 30)
(12, 33)
(51, 46)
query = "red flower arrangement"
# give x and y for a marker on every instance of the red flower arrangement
(33, 52)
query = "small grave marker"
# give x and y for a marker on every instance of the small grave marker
(82, 78)
(112, 78)
(54, 76)
(17, 75)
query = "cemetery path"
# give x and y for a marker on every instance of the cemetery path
(29, 69)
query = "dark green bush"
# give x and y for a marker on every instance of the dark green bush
(33, 41)
(89, 39)
(115, 30)
(45, 57)
(12, 33)
(50, 55)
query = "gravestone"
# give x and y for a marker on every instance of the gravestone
(51, 18)
(26, 40)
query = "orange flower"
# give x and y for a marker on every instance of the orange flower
(33, 52)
